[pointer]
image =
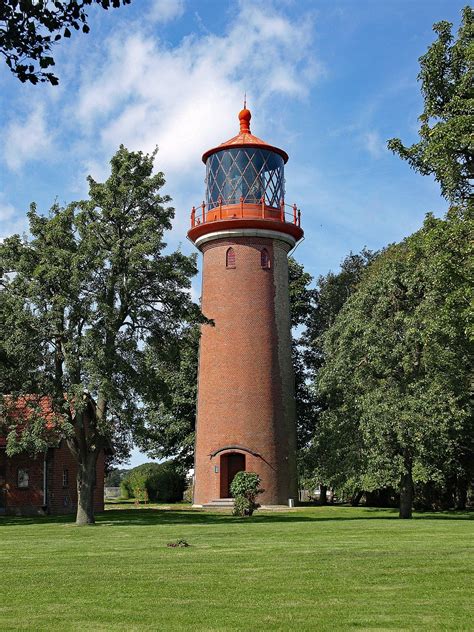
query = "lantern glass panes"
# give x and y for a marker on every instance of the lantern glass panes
(245, 172)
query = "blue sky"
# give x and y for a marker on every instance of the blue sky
(328, 81)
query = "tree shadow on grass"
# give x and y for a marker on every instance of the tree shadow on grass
(149, 516)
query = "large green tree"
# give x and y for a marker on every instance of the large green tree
(29, 30)
(168, 426)
(83, 299)
(397, 370)
(322, 453)
(446, 145)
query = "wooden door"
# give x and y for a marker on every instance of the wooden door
(230, 464)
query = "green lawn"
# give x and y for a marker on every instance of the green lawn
(310, 569)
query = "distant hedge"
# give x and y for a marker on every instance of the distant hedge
(162, 482)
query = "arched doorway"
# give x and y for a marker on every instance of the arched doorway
(231, 463)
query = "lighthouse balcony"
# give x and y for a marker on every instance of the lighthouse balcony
(210, 218)
(206, 213)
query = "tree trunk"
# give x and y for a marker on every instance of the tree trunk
(86, 479)
(406, 491)
(461, 494)
(323, 495)
(356, 498)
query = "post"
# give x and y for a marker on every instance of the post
(193, 217)
(294, 213)
(203, 206)
(241, 206)
(282, 210)
(262, 200)
(299, 217)
(220, 206)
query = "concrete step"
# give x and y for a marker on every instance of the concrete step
(220, 502)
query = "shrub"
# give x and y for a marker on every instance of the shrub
(245, 488)
(160, 482)
(124, 490)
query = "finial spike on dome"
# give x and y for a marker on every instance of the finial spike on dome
(244, 118)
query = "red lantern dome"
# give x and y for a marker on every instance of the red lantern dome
(245, 183)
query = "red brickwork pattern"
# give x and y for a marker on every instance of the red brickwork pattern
(243, 387)
(61, 499)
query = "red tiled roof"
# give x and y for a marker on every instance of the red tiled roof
(245, 138)
(22, 409)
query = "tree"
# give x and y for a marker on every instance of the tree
(302, 298)
(169, 423)
(446, 145)
(88, 294)
(114, 477)
(323, 454)
(30, 28)
(397, 370)
(158, 482)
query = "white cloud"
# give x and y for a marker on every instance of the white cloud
(373, 144)
(167, 10)
(185, 99)
(26, 140)
(136, 89)
(10, 221)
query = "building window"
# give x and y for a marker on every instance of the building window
(230, 258)
(23, 478)
(264, 258)
(65, 477)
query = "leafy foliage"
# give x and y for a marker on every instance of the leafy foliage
(397, 374)
(320, 452)
(29, 29)
(302, 299)
(114, 477)
(169, 425)
(245, 488)
(162, 482)
(446, 145)
(95, 291)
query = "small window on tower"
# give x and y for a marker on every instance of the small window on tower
(230, 258)
(65, 477)
(264, 258)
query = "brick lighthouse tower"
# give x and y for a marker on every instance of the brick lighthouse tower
(246, 410)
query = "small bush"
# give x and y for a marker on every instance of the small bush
(245, 488)
(188, 494)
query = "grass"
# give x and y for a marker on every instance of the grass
(331, 568)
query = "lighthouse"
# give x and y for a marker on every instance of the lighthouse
(246, 408)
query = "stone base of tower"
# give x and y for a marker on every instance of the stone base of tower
(246, 409)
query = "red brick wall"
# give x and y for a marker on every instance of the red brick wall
(245, 375)
(27, 500)
(61, 499)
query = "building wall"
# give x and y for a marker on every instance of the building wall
(246, 389)
(28, 500)
(62, 499)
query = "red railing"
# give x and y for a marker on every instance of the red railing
(203, 213)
